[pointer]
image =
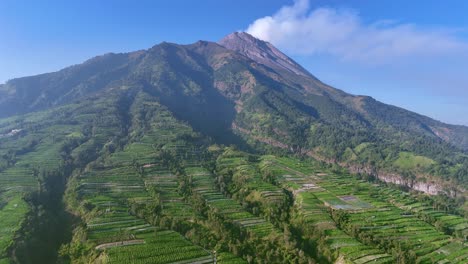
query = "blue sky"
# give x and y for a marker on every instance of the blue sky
(412, 54)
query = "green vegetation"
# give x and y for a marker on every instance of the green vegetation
(195, 154)
(408, 161)
(12, 213)
(376, 216)
(159, 247)
(148, 195)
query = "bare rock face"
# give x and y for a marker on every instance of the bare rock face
(262, 52)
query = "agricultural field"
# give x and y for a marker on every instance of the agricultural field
(12, 212)
(158, 247)
(27, 158)
(374, 216)
(37, 153)
(251, 187)
(226, 208)
(131, 198)
(105, 193)
(121, 237)
(311, 213)
(166, 186)
(149, 189)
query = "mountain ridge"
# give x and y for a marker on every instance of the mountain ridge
(262, 52)
(241, 42)
(244, 84)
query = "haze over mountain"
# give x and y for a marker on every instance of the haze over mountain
(245, 91)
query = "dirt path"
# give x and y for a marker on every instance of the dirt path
(120, 243)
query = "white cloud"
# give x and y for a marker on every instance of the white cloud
(341, 32)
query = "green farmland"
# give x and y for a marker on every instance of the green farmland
(141, 186)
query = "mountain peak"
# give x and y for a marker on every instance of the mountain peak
(262, 52)
(241, 36)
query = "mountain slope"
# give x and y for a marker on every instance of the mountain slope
(244, 91)
(262, 52)
(266, 54)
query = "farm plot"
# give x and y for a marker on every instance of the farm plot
(451, 253)
(142, 153)
(389, 225)
(107, 191)
(296, 178)
(12, 212)
(455, 224)
(227, 208)
(159, 247)
(118, 233)
(390, 221)
(313, 217)
(17, 178)
(303, 168)
(131, 180)
(249, 182)
(228, 258)
(31, 161)
(166, 185)
(30, 157)
(314, 193)
(310, 214)
(392, 226)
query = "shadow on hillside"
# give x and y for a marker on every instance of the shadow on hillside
(203, 107)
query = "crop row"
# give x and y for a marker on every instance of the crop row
(372, 214)
(227, 208)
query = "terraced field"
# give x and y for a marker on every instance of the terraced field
(166, 185)
(159, 247)
(251, 187)
(362, 218)
(453, 224)
(107, 191)
(42, 147)
(226, 208)
(133, 192)
(30, 155)
(122, 237)
(312, 215)
(12, 212)
(229, 258)
(155, 191)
